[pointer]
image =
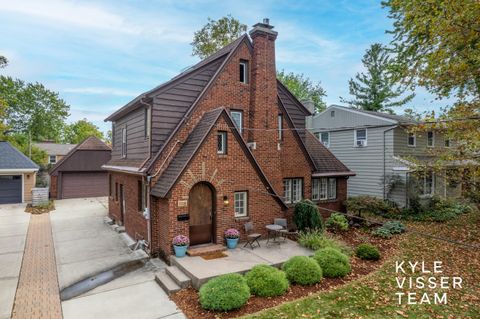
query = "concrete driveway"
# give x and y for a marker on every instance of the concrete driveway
(13, 231)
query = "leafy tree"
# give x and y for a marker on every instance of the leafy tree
(304, 89)
(437, 44)
(32, 109)
(215, 35)
(80, 130)
(376, 90)
(3, 61)
(22, 143)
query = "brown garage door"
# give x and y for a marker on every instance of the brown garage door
(91, 184)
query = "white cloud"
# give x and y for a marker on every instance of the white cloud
(101, 90)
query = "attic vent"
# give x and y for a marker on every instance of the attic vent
(332, 113)
(252, 145)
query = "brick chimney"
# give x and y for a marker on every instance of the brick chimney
(264, 106)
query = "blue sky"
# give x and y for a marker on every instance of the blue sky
(100, 54)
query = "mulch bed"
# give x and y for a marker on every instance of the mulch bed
(39, 210)
(188, 300)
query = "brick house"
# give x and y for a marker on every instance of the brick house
(220, 144)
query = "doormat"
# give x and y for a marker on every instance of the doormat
(214, 255)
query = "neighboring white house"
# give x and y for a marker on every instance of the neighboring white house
(376, 146)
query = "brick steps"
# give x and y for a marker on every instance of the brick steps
(172, 279)
(205, 250)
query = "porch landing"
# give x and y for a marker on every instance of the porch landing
(238, 260)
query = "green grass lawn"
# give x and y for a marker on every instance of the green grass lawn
(374, 296)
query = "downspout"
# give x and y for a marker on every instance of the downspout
(146, 213)
(384, 159)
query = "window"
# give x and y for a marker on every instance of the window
(124, 142)
(317, 135)
(430, 139)
(147, 122)
(222, 143)
(52, 159)
(243, 71)
(427, 185)
(361, 137)
(324, 188)
(332, 113)
(280, 126)
(237, 117)
(412, 139)
(142, 196)
(325, 138)
(293, 190)
(240, 204)
(447, 142)
(110, 185)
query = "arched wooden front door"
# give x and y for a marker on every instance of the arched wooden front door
(201, 210)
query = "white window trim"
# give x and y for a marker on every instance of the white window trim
(280, 127)
(240, 129)
(289, 195)
(148, 123)
(414, 140)
(320, 138)
(432, 191)
(433, 139)
(355, 137)
(245, 206)
(449, 142)
(50, 159)
(245, 72)
(332, 192)
(124, 142)
(223, 151)
(324, 184)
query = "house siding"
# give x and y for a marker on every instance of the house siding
(137, 144)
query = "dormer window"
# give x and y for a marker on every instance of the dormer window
(243, 71)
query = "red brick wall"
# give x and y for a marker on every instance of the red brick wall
(227, 174)
(134, 222)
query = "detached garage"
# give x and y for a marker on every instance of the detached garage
(79, 173)
(17, 175)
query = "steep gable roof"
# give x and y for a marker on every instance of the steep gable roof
(91, 143)
(193, 143)
(11, 158)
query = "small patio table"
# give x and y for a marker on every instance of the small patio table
(273, 230)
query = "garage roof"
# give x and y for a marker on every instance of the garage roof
(11, 158)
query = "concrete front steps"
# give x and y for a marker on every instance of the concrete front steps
(202, 250)
(172, 279)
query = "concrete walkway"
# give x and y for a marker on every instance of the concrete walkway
(37, 293)
(13, 231)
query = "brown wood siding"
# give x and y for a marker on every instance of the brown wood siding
(84, 184)
(170, 106)
(137, 144)
(83, 160)
(297, 115)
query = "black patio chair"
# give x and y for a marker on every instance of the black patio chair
(252, 237)
(286, 231)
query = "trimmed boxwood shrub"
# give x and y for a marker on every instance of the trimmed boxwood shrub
(368, 252)
(333, 263)
(224, 293)
(302, 270)
(337, 222)
(266, 281)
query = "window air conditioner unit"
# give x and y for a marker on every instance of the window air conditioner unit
(361, 143)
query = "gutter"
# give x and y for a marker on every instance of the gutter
(385, 159)
(19, 170)
(334, 174)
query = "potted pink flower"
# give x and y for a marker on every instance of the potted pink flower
(232, 236)
(180, 245)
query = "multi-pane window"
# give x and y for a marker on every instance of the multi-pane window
(412, 140)
(324, 188)
(280, 127)
(240, 204)
(430, 139)
(427, 185)
(237, 117)
(52, 159)
(243, 67)
(325, 138)
(293, 190)
(124, 142)
(361, 137)
(447, 142)
(222, 143)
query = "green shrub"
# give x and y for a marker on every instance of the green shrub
(333, 263)
(224, 293)
(337, 222)
(368, 252)
(306, 216)
(316, 240)
(361, 205)
(266, 281)
(382, 232)
(395, 227)
(302, 270)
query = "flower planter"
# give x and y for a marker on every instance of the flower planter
(232, 243)
(180, 251)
